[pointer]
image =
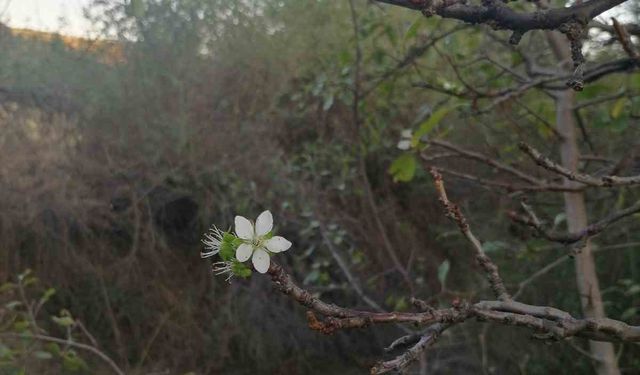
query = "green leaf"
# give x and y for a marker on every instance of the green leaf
(429, 124)
(634, 289)
(12, 305)
(390, 32)
(21, 326)
(47, 295)
(443, 271)
(561, 217)
(403, 168)
(64, 321)
(53, 348)
(7, 287)
(328, 102)
(312, 277)
(629, 313)
(5, 352)
(412, 31)
(492, 246)
(617, 108)
(26, 273)
(357, 257)
(72, 362)
(401, 304)
(42, 355)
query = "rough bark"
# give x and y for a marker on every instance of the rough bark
(576, 212)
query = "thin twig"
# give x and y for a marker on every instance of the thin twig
(454, 213)
(571, 238)
(548, 164)
(398, 364)
(625, 40)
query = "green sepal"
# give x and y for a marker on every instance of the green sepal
(240, 270)
(237, 242)
(228, 247)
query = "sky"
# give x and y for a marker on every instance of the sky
(64, 16)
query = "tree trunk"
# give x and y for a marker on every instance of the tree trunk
(575, 209)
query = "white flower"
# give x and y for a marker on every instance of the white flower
(212, 242)
(404, 144)
(255, 244)
(406, 133)
(405, 139)
(220, 268)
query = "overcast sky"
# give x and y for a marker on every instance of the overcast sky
(64, 16)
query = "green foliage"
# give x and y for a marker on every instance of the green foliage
(26, 334)
(493, 246)
(427, 126)
(443, 272)
(403, 169)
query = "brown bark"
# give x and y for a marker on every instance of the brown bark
(575, 209)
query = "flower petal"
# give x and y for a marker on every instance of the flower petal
(264, 223)
(404, 144)
(260, 260)
(244, 228)
(277, 244)
(243, 253)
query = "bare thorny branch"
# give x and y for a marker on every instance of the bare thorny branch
(547, 323)
(591, 230)
(453, 212)
(527, 182)
(588, 180)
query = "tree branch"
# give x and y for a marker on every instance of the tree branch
(548, 164)
(551, 322)
(536, 184)
(398, 364)
(501, 16)
(570, 238)
(453, 212)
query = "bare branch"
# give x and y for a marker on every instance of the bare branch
(500, 16)
(487, 160)
(342, 264)
(535, 183)
(401, 362)
(602, 99)
(625, 40)
(413, 54)
(554, 323)
(606, 181)
(633, 29)
(508, 187)
(570, 238)
(454, 213)
(544, 270)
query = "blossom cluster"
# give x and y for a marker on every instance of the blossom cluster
(251, 240)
